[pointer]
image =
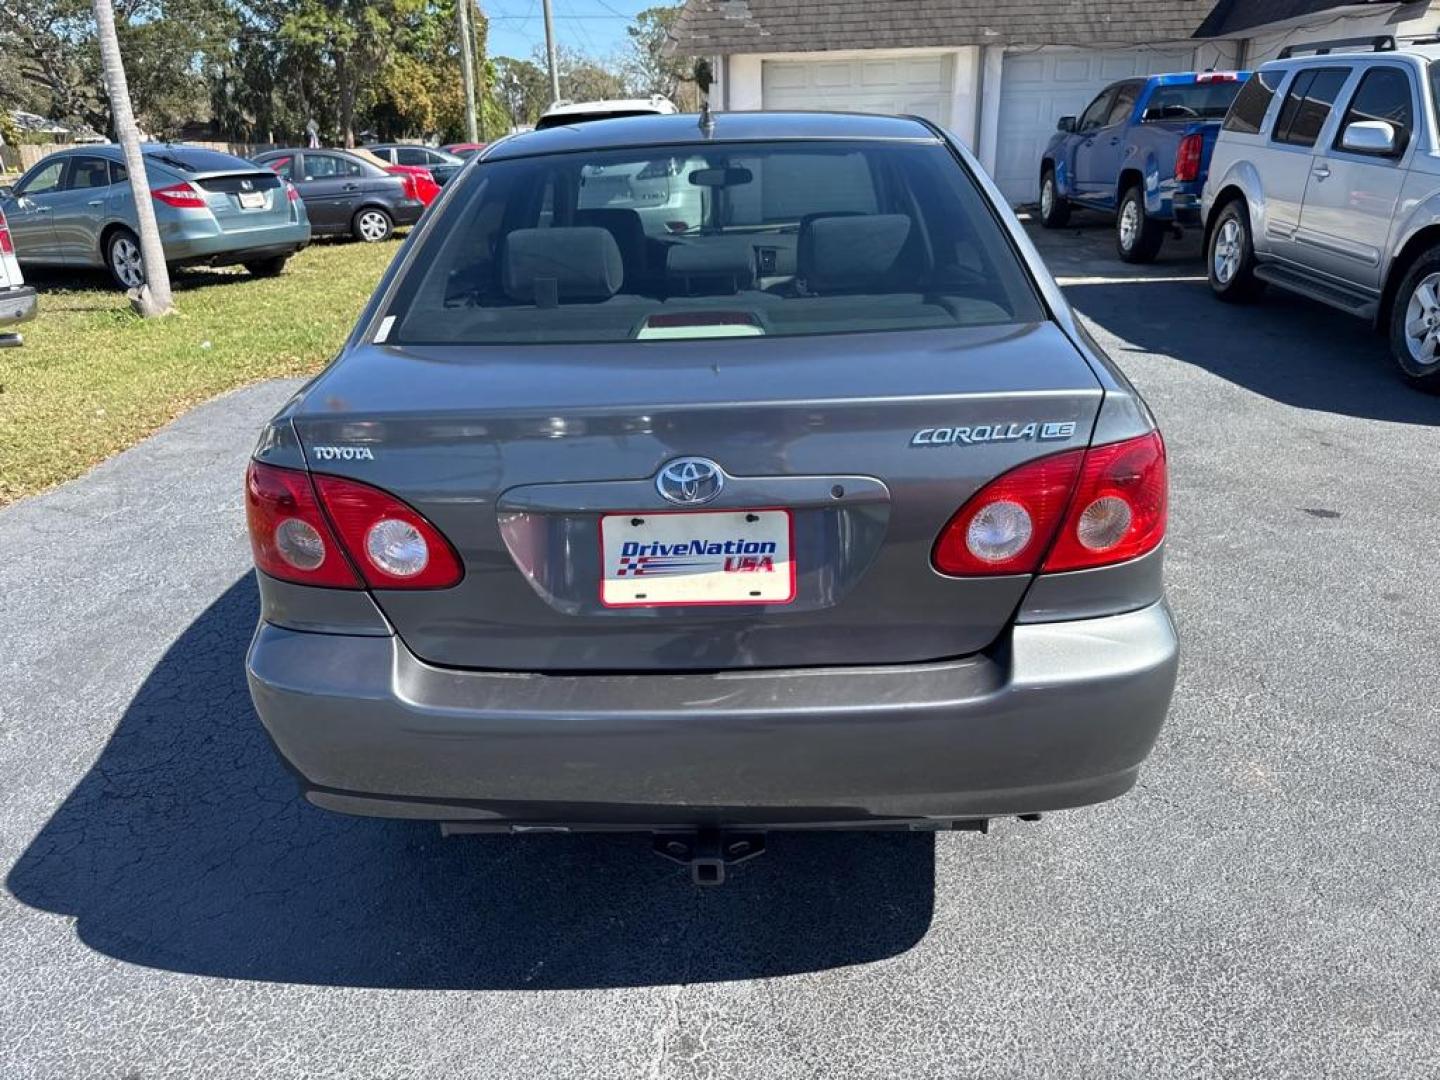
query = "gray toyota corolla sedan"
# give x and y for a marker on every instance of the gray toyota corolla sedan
(811, 505)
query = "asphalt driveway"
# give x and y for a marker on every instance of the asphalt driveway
(1265, 904)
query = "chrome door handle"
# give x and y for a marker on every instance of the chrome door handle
(96, 202)
(1321, 171)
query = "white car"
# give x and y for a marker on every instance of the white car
(575, 112)
(17, 300)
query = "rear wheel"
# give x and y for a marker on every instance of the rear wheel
(372, 225)
(1054, 210)
(1137, 236)
(123, 260)
(1230, 256)
(268, 267)
(1415, 323)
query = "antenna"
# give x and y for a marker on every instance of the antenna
(704, 76)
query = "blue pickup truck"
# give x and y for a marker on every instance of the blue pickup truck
(1139, 151)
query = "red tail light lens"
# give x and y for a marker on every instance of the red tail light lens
(1086, 508)
(291, 193)
(392, 543)
(1119, 508)
(184, 195)
(1187, 157)
(1007, 526)
(289, 535)
(7, 246)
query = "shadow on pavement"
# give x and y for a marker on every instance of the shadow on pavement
(1290, 349)
(187, 847)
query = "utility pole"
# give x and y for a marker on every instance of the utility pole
(467, 67)
(550, 53)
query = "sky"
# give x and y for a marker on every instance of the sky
(597, 27)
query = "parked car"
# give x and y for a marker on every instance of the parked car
(828, 513)
(347, 194)
(1138, 151)
(419, 182)
(74, 208)
(17, 300)
(441, 164)
(578, 112)
(1324, 182)
(464, 150)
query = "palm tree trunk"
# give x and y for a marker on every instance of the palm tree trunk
(154, 295)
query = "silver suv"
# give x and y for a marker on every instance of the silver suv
(1326, 181)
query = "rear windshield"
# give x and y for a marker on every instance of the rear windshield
(712, 240)
(1192, 101)
(194, 159)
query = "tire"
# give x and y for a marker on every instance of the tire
(1230, 256)
(1417, 308)
(1054, 210)
(122, 259)
(371, 225)
(1137, 235)
(273, 267)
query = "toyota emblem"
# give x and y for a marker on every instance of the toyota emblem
(690, 481)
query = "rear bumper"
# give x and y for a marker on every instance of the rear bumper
(219, 248)
(17, 304)
(407, 212)
(1062, 715)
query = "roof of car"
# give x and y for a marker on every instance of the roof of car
(660, 130)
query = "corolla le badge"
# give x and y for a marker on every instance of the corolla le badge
(990, 433)
(690, 481)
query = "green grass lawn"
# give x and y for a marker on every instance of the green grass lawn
(92, 378)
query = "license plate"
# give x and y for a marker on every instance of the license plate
(697, 557)
(252, 200)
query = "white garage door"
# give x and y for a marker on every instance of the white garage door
(1037, 88)
(916, 85)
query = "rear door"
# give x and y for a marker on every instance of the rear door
(1350, 197)
(31, 212)
(1308, 99)
(328, 188)
(822, 375)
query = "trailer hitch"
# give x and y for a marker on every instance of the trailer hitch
(708, 852)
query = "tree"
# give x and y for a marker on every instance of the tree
(153, 297)
(522, 89)
(585, 78)
(651, 66)
(356, 39)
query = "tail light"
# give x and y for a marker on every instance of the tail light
(184, 195)
(1008, 525)
(289, 535)
(7, 246)
(320, 530)
(1217, 76)
(394, 546)
(1119, 508)
(1071, 511)
(1187, 157)
(290, 193)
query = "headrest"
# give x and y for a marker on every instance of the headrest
(547, 266)
(711, 262)
(849, 251)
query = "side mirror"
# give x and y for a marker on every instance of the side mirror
(1066, 124)
(1370, 137)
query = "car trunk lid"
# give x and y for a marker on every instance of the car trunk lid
(859, 446)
